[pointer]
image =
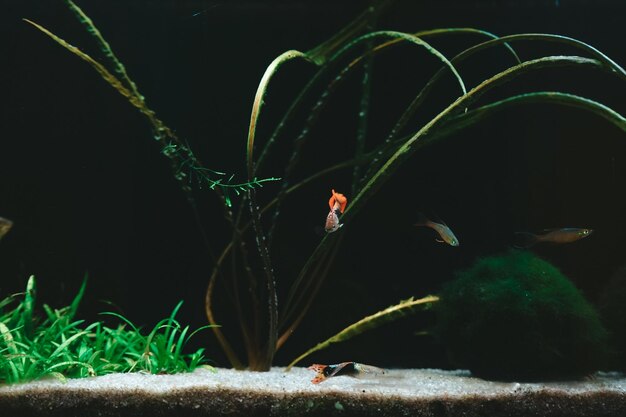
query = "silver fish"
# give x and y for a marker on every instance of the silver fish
(5, 226)
(441, 228)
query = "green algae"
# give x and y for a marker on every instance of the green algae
(516, 316)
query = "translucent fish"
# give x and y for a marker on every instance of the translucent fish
(5, 226)
(563, 235)
(441, 228)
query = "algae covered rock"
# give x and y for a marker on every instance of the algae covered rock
(516, 316)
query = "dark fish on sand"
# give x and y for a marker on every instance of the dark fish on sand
(563, 235)
(5, 226)
(444, 231)
(354, 369)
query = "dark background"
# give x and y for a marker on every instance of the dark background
(89, 191)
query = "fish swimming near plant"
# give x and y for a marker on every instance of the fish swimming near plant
(5, 226)
(559, 236)
(337, 204)
(441, 228)
(353, 369)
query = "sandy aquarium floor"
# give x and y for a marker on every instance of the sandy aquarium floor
(419, 392)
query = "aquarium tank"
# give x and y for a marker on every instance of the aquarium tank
(317, 182)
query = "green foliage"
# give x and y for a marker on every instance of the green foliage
(33, 347)
(515, 316)
(248, 277)
(186, 167)
(613, 313)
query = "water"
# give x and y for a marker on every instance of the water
(89, 191)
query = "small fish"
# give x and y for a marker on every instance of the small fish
(337, 204)
(444, 231)
(353, 369)
(563, 235)
(5, 226)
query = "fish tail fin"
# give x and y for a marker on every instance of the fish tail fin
(319, 377)
(438, 219)
(422, 220)
(524, 240)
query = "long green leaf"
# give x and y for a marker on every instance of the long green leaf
(553, 97)
(76, 302)
(104, 46)
(180, 155)
(101, 69)
(415, 141)
(373, 321)
(66, 343)
(325, 69)
(259, 100)
(595, 53)
(295, 288)
(411, 38)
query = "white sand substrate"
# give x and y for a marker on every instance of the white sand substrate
(418, 392)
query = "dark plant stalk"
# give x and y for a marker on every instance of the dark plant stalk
(235, 362)
(272, 300)
(320, 273)
(208, 309)
(243, 323)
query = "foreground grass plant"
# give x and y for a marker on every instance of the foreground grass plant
(61, 346)
(248, 277)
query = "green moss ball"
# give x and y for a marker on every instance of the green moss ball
(613, 312)
(516, 317)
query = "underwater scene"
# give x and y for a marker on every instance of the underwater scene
(348, 187)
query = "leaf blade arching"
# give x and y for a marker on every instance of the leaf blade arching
(373, 321)
(551, 97)
(413, 143)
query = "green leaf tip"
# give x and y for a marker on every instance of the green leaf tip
(373, 321)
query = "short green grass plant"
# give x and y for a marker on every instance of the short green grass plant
(59, 345)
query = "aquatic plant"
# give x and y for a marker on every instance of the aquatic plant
(249, 278)
(516, 316)
(186, 167)
(371, 322)
(612, 307)
(59, 345)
